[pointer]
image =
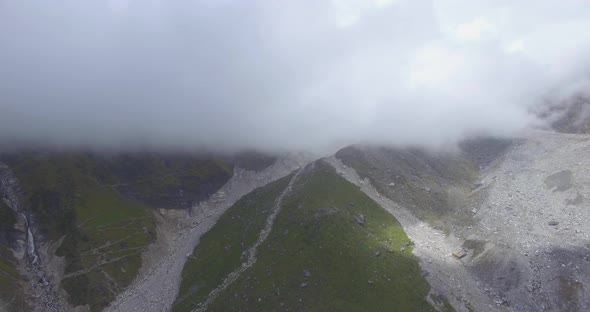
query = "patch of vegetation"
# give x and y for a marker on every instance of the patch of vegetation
(102, 207)
(221, 249)
(319, 258)
(11, 294)
(103, 248)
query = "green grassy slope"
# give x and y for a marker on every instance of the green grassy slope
(102, 208)
(220, 250)
(318, 258)
(11, 295)
(103, 249)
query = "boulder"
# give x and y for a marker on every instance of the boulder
(459, 253)
(360, 219)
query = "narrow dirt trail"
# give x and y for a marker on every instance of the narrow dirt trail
(252, 251)
(157, 285)
(446, 275)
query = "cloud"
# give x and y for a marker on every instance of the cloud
(229, 74)
(515, 46)
(474, 29)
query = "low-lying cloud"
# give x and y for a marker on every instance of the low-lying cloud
(280, 75)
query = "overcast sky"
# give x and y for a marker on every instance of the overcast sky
(275, 75)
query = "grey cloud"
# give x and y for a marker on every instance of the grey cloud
(276, 75)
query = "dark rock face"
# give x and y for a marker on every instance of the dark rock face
(360, 219)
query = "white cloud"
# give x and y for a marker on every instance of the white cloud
(231, 74)
(118, 6)
(474, 30)
(434, 66)
(349, 12)
(515, 46)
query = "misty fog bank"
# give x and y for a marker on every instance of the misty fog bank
(227, 75)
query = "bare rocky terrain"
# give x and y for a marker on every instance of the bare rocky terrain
(533, 217)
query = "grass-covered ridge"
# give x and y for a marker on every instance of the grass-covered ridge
(102, 208)
(318, 257)
(220, 250)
